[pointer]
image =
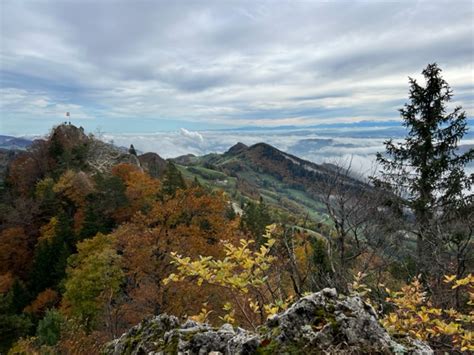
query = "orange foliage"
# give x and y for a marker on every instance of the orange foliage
(141, 189)
(6, 282)
(75, 340)
(44, 301)
(75, 187)
(124, 170)
(23, 174)
(15, 254)
(192, 222)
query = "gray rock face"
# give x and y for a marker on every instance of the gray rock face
(322, 322)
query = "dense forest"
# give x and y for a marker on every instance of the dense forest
(95, 238)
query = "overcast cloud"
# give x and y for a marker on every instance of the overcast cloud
(146, 66)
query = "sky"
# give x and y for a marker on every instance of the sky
(143, 66)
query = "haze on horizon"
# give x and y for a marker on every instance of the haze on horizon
(148, 66)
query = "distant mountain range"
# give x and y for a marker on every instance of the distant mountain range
(9, 142)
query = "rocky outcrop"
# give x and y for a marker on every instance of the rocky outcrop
(153, 164)
(69, 136)
(323, 322)
(103, 156)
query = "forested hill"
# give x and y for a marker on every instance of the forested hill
(284, 181)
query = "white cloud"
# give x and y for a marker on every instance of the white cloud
(193, 135)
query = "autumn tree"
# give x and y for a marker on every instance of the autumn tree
(23, 173)
(15, 252)
(73, 188)
(243, 272)
(93, 281)
(141, 189)
(295, 264)
(45, 300)
(193, 222)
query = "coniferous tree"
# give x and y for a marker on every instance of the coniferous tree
(255, 218)
(172, 180)
(50, 259)
(132, 150)
(49, 328)
(12, 324)
(427, 168)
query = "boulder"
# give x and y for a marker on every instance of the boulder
(323, 322)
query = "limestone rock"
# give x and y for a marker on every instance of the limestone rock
(323, 322)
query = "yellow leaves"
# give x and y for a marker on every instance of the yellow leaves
(270, 242)
(171, 278)
(271, 228)
(74, 186)
(227, 306)
(202, 316)
(451, 313)
(435, 311)
(229, 317)
(466, 281)
(392, 318)
(467, 341)
(449, 278)
(48, 231)
(270, 310)
(423, 317)
(254, 306)
(241, 271)
(280, 305)
(448, 329)
(415, 316)
(44, 188)
(357, 287)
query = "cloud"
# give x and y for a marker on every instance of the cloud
(230, 63)
(193, 135)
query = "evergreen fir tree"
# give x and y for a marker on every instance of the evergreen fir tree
(49, 328)
(50, 260)
(172, 180)
(427, 169)
(255, 218)
(12, 324)
(132, 150)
